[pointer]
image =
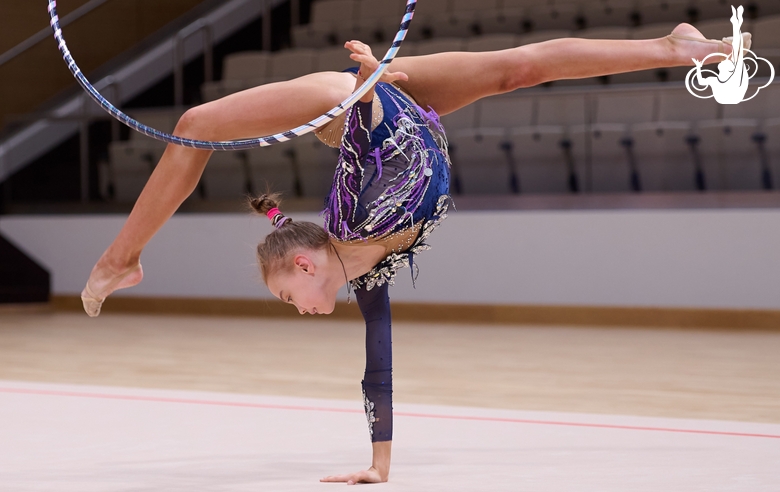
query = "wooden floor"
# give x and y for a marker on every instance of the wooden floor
(731, 375)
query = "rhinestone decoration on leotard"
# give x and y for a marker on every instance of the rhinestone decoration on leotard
(388, 268)
(407, 190)
(369, 407)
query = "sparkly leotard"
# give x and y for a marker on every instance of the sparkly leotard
(390, 181)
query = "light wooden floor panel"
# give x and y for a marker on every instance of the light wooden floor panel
(728, 375)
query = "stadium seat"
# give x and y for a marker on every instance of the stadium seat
(766, 43)
(542, 17)
(131, 162)
(562, 110)
(378, 21)
(731, 156)
(625, 107)
(505, 111)
(315, 163)
(310, 36)
(613, 156)
(664, 157)
(611, 159)
(334, 59)
(481, 160)
(130, 165)
(667, 150)
(654, 11)
(274, 168)
(289, 64)
(606, 14)
(241, 71)
(465, 117)
(540, 160)
(225, 176)
(472, 7)
(680, 105)
(763, 106)
(503, 21)
(476, 13)
(771, 133)
(331, 24)
(454, 25)
(426, 14)
(332, 12)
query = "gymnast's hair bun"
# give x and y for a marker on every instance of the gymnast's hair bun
(265, 202)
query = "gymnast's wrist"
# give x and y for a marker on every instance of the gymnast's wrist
(381, 458)
(369, 95)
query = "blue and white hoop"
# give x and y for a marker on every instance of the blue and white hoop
(231, 144)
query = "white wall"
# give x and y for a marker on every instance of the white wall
(670, 258)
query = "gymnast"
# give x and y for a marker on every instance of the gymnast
(390, 188)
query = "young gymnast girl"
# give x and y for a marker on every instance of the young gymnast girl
(390, 188)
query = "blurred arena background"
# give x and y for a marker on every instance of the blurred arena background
(614, 248)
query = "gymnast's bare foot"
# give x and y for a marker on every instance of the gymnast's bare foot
(688, 43)
(108, 276)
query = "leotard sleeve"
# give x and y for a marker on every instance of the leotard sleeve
(356, 142)
(378, 379)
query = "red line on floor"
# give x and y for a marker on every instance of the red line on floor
(160, 399)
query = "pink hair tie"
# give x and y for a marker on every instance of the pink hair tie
(272, 213)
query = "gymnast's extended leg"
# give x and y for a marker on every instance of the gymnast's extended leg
(263, 110)
(448, 81)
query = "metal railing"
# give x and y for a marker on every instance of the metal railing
(199, 26)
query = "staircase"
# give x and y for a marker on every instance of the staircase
(105, 32)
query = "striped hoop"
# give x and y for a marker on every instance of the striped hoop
(230, 144)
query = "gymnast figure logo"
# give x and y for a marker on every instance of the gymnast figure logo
(730, 84)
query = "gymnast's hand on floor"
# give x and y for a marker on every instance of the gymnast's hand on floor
(361, 52)
(371, 475)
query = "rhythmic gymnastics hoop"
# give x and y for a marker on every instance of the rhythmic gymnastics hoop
(230, 144)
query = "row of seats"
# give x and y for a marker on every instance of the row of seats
(613, 141)
(303, 167)
(620, 106)
(334, 21)
(249, 69)
(660, 156)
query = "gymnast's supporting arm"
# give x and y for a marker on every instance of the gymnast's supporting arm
(378, 378)
(377, 385)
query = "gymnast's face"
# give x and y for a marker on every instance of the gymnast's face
(307, 286)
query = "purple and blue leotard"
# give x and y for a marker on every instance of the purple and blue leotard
(387, 180)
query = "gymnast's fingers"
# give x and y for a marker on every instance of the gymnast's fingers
(363, 476)
(358, 47)
(393, 76)
(338, 478)
(367, 60)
